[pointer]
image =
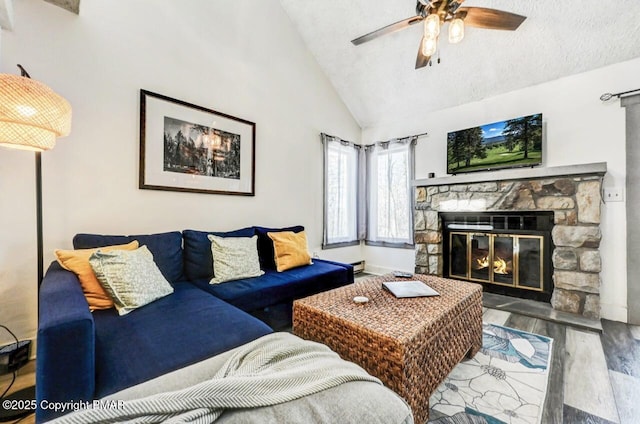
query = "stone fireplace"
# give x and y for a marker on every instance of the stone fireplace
(570, 194)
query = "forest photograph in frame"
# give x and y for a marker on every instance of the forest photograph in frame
(505, 144)
(186, 147)
(200, 150)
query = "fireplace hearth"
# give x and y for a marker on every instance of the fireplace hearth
(507, 252)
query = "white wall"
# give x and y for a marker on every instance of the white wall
(241, 57)
(579, 128)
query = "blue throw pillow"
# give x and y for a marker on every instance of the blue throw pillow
(265, 244)
(198, 260)
(165, 247)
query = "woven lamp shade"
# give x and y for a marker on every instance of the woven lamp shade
(32, 115)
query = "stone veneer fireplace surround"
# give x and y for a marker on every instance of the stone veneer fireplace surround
(572, 193)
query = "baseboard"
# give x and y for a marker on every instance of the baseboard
(380, 270)
(613, 312)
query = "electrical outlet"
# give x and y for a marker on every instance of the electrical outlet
(14, 356)
(613, 194)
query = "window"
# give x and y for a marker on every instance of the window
(390, 169)
(380, 213)
(341, 193)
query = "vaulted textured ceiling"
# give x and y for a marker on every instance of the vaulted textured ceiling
(378, 82)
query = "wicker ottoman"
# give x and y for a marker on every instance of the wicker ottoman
(410, 344)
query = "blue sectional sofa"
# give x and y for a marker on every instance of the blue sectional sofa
(83, 356)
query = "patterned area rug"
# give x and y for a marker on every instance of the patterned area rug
(506, 382)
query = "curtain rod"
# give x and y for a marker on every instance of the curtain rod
(367, 145)
(399, 138)
(608, 96)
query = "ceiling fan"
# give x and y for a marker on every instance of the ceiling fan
(436, 13)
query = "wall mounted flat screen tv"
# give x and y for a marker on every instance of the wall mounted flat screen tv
(505, 144)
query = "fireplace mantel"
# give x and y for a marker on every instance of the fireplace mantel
(598, 168)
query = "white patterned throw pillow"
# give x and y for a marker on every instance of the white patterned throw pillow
(131, 278)
(234, 258)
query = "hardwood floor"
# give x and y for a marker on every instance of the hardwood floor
(594, 377)
(26, 377)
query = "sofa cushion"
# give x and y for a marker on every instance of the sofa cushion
(131, 277)
(77, 261)
(173, 332)
(198, 262)
(274, 287)
(265, 244)
(165, 247)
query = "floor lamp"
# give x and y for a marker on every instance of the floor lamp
(32, 116)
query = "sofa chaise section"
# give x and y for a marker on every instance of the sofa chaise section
(170, 333)
(84, 356)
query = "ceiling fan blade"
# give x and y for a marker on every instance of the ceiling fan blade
(422, 60)
(405, 23)
(491, 18)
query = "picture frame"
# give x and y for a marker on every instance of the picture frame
(190, 148)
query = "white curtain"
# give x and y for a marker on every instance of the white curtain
(343, 179)
(390, 170)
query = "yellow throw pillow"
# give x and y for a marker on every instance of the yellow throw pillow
(290, 249)
(77, 261)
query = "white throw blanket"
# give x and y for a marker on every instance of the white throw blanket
(274, 369)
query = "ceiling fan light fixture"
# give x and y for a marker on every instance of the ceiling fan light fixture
(429, 46)
(436, 13)
(432, 25)
(456, 31)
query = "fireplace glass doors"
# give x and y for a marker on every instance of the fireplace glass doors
(507, 252)
(503, 259)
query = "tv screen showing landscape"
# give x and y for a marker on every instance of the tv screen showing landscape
(505, 144)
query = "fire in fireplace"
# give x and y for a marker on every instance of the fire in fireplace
(507, 252)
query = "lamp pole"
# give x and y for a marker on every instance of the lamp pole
(24, 73)
(39, 217)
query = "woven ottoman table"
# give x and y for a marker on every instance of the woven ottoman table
(411, 344)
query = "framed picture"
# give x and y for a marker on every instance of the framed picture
(184, 147)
